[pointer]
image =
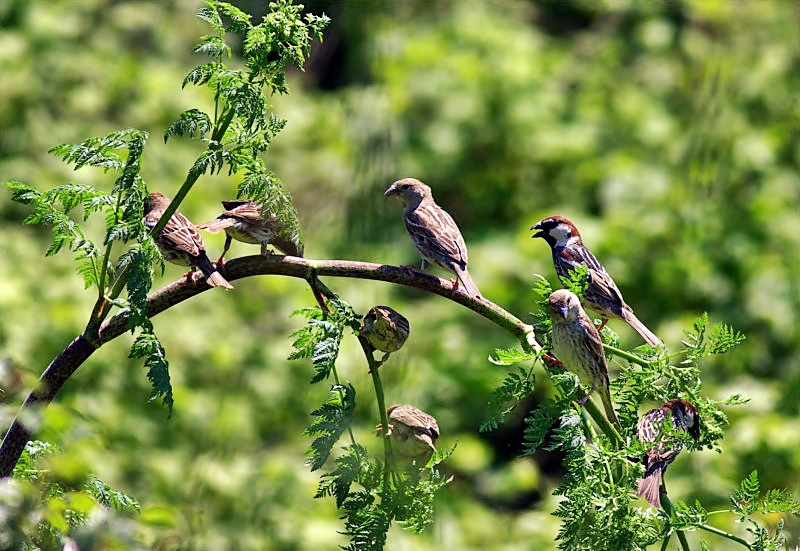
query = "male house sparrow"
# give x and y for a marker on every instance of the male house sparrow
(602, 295)
(243, 220)
(684, 417)
(385, 329)
(578, 347)
(433, 231)
(414, 431)
(179, 241)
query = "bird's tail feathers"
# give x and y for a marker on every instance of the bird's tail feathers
(469, 286)
(649, 486)
(288, 246)
(213, 277)
(648, 336)
(216, 225)
(605, 397)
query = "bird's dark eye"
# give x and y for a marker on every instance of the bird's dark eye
(404, 186)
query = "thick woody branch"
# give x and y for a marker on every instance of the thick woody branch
(79, 350)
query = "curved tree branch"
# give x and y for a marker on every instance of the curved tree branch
(79, 350)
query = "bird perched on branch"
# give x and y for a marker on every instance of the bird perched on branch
(385, 329)
(414, 431)
(684, 417)
(602, 294)
(434, 232)
(244, 221)
(179, 241)
(578, 347)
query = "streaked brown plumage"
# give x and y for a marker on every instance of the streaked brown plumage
(433, 231)
(602, 295)
(684, 417)
(243, 220)
(385, 329)
(179, 241)
(414, 432)
(578, 347)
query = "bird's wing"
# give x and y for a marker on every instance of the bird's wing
(181, 233)
(248, 212)
(434, 230)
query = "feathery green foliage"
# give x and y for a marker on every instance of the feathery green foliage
(148, 346)
(516, 385)
(321, 337)
(244, 124)
(71, 501)
(601, 476)
(330, 421)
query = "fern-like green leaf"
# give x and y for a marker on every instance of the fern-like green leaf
(745, 498)
(110, 497)
(148, 346)
(330, 420)
(509, 356)
(193, 123)
(517, 384)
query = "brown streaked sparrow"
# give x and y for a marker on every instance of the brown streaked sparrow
(684, 417)
(179, 241)
(414, 431)
(578, 347)
(244, 221)
(385, 329)
(433, 231)
(602, 294)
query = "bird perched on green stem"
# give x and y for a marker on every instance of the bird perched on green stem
(385, 329)
(602, 294)
(414, 431)
(578, 347)
(684, 417)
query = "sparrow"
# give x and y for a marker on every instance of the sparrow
(602, 294)
(684, 417)
(243, 220)
(577, 345)
(179, 241)
(414, 431)
(385, 329)
(433, 231)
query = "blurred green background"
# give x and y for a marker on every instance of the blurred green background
(668, 131)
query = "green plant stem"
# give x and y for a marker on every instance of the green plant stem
(633, 358)
(376, 382)
(724, 534)
(669, 508)
(600, 419)
(665, 542)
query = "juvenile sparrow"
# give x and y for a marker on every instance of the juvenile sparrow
(179, 241)
(243, 220)
(433, 231)
(577, 345)
(385, 329)
(414, 431)
(602, 295)
(684, 417)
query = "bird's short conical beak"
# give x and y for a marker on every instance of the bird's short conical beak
(539, 233)
(564, 311)
(391, 191)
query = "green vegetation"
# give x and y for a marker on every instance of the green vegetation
(666, 131)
